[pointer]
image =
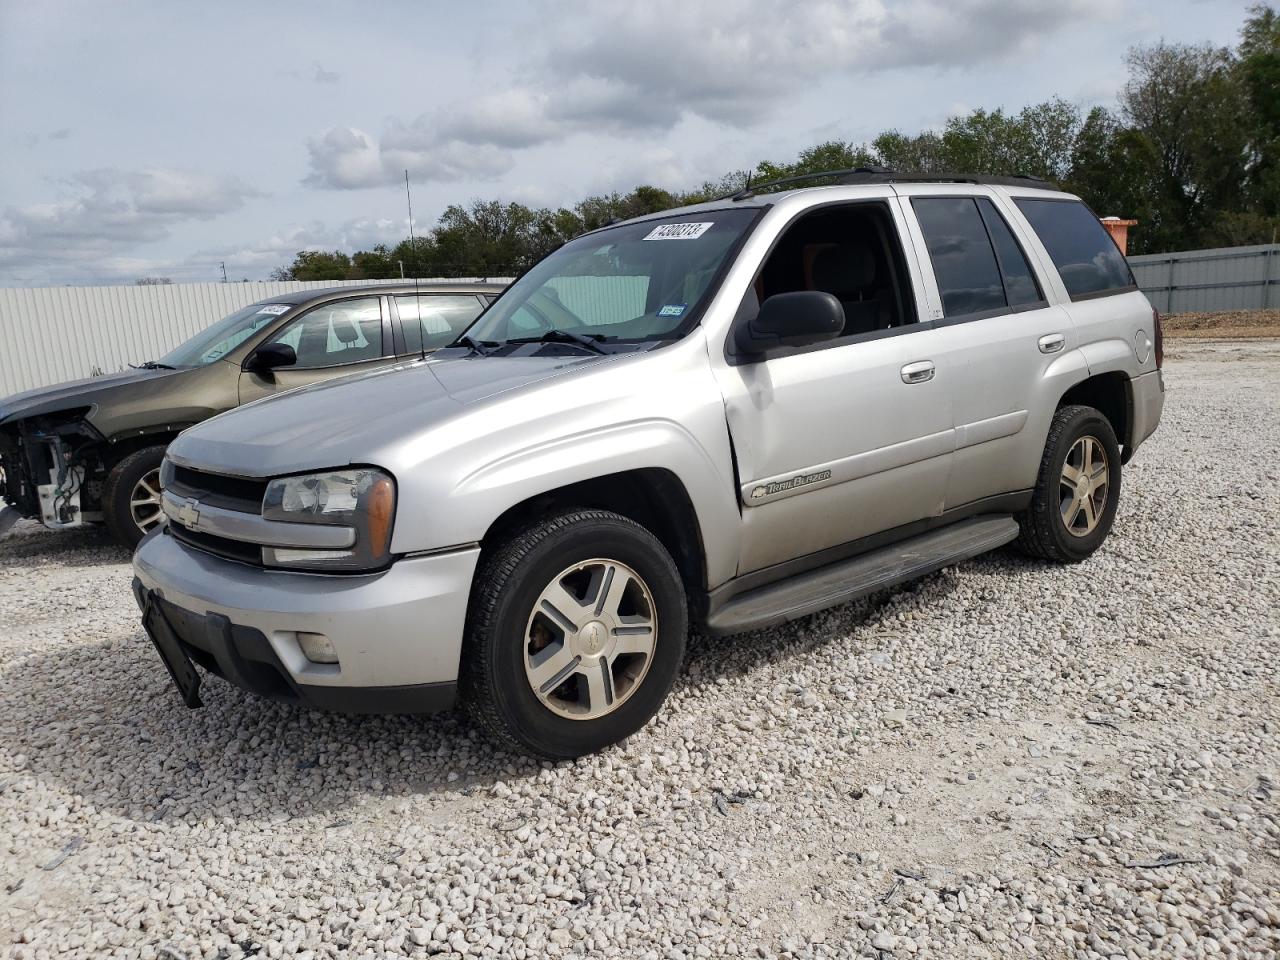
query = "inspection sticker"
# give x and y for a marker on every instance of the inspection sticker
(679, 231)
(275, 308)
(673, 310)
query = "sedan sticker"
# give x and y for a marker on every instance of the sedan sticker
(673, 310)
(679, 231)
(275, 308)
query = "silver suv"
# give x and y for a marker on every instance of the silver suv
(726, 416)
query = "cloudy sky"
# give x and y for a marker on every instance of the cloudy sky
(143, 139)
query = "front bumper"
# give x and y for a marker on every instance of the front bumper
(397, 634)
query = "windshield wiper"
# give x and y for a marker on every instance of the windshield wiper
(152, 365)
(588, 341)
(482, 347)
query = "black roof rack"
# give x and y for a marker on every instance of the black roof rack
(857, 175)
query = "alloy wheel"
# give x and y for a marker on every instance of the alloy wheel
(590, 639)
(1084, 486)
(144, 501)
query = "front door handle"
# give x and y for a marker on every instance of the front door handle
(918, 372)
(1052, 342)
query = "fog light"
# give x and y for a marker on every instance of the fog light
(317, 648)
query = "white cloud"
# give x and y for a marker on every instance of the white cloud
(106, 209)
(321, 75)
(346, 158)
(735, 60)
(626, 68)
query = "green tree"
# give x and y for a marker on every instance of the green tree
(315, 265)
(375, 264)
(1188, 102)
(1259, 54)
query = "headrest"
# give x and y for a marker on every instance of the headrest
(346, 330)
(844, 268)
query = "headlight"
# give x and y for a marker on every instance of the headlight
(359, 497)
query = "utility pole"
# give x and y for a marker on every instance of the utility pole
(223, 265)
(401, 262)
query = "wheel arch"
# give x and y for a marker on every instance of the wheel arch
(654, 497)
(1111, 394)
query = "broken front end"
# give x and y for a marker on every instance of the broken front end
(51, 468)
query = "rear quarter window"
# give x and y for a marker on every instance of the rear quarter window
(1087, 259)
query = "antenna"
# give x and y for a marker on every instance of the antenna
(413, 246)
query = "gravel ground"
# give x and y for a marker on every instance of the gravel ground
(1008, 759)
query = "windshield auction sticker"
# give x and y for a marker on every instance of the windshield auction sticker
(679, 231)
(275, 308)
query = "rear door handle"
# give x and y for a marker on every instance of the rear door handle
(918, 372)
(1052, 342)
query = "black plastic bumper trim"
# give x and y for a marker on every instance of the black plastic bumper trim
(243, 656)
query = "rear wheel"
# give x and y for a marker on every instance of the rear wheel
(575, 634)
(131, 496)
(1078, 488)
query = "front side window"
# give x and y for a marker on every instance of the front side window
(964, 263)
(224, 336)
(431, 321)
(627, 284)
(1087, 259)
(344, 331)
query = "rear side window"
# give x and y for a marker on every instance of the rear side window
(431, 321)
(963, 260)
(1086, 257)
(1020, 286)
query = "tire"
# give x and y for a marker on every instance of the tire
(513, 639)
(1064, 523)
(139, 471)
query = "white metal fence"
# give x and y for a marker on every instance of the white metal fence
(1193, 281)
(51, 334)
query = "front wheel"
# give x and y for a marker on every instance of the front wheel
(131, 496)
(575, 634)
(1077, 490)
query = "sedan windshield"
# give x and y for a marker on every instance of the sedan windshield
(630, 283)
(224, 336)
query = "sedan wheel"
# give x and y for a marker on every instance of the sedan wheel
(144, 503)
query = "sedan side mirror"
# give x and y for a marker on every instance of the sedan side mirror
(795, 319)
(269, 356)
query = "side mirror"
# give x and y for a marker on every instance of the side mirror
(795, 319)
(269, 356)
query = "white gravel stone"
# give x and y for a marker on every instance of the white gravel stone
(992, 821)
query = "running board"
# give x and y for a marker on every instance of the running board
(858, 576)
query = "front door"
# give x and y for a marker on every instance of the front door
(851, 437)
(334, 339)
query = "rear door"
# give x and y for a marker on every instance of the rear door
(429, 321)
(333, 339)
(1004, 344)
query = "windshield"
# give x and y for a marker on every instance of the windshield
(630, 283)
(224, 336)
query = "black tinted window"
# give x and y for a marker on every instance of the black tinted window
(963, 261)
(1019, 282)
(1079, 246)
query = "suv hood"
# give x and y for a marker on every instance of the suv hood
(353, 419)
(75, 393)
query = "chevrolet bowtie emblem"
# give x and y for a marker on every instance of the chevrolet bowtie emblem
(189, 514)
